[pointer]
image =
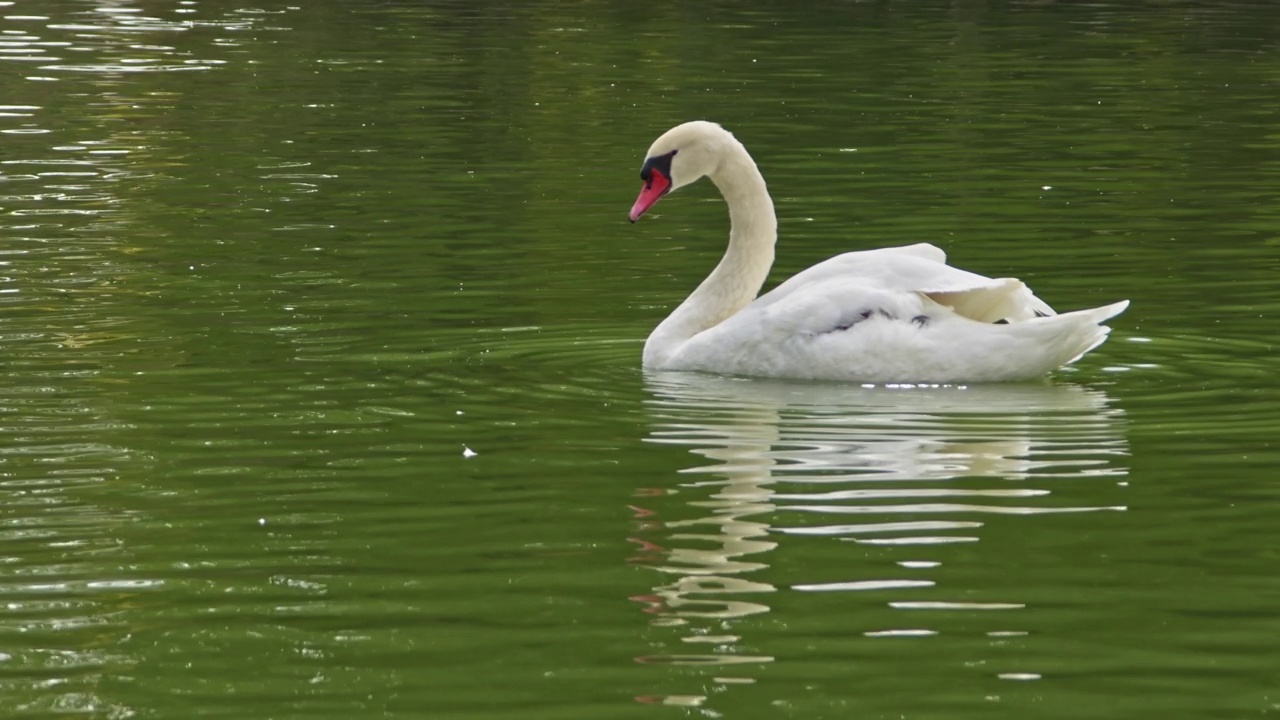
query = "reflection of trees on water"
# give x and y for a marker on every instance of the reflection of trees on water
(878, 460)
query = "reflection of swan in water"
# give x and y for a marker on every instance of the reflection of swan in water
(884, 460)
(908, 433)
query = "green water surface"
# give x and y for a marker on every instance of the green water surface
(320, 392)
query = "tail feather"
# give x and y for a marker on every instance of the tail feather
(1080, 331)
(1020, 350)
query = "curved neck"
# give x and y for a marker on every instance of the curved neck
(741, 272)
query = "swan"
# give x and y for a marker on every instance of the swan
(890, 315)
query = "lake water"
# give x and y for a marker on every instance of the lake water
(319, 364)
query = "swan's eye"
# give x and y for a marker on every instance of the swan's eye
(660, 163)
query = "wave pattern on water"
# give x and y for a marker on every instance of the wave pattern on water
(266, 272)
(915, 471)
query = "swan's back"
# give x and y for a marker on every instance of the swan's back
(896, 315)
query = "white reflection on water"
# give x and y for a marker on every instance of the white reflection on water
(884, 461)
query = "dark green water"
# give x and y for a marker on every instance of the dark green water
(266, 271)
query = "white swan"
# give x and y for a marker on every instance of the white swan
(897, 314)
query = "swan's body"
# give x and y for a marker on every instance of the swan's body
(896, 314)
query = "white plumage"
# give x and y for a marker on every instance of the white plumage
(897, 314)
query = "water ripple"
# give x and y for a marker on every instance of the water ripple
(783, 455)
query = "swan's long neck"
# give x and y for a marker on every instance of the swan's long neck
(742, 271)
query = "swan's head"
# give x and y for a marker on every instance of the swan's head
(682, 155)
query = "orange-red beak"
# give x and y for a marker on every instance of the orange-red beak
(654, 188)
